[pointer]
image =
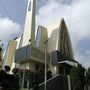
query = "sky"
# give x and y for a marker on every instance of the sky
(75, 12)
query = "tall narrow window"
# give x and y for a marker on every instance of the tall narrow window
(38, 38)
(29, 7)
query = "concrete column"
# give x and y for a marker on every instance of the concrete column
(69, 83)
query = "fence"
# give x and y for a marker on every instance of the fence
(59, 82)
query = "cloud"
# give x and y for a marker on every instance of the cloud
(8, 29)
(84, 59)
(48, 12)
(77, 17)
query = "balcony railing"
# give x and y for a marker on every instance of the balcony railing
(29, 53)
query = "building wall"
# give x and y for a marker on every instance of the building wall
(41, 37)
(59, 39)
(53, 36)
(8, 59)
(29, 29)
(64, 44)
(10, 53)
(53, 41)
(51, 27)
(18, 41)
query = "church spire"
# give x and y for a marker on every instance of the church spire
(29, 29)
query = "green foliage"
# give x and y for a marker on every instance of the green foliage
(77, 78)
(89, 69)
(0, 49)
(0, 53)
(88, 76)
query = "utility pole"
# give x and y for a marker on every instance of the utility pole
(45, 85)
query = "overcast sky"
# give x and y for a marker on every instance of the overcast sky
(75, 12)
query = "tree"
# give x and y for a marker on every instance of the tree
(88, 76)
(77, 78)
(0, 56)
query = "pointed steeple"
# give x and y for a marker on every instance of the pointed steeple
(65, 45)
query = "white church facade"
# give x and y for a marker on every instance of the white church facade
(52, 44)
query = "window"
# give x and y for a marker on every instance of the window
(29, 7)
(38, 39)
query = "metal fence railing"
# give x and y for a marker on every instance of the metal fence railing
(59, 82)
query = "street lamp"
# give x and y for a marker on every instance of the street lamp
(45, 64)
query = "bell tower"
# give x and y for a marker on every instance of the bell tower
(29, 28)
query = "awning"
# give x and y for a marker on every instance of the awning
(72, 63)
